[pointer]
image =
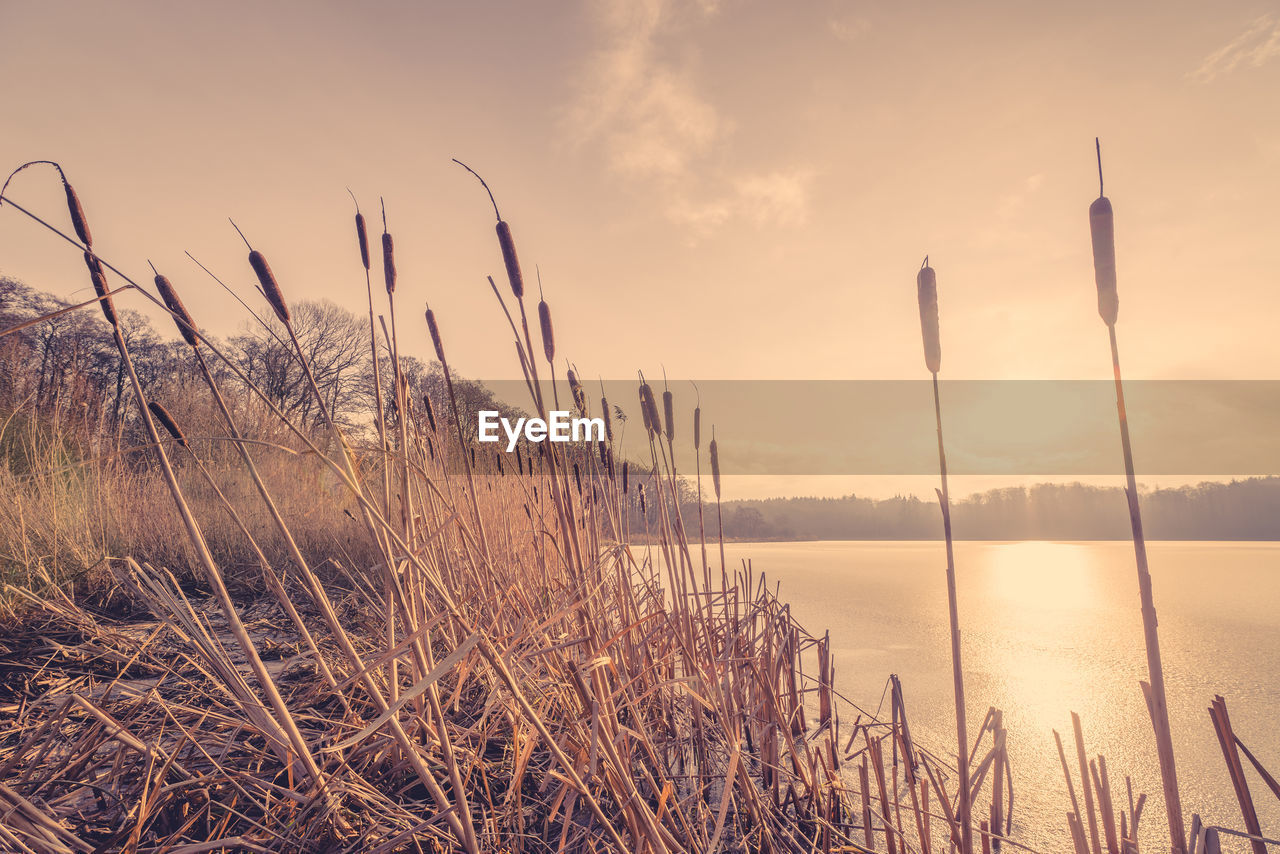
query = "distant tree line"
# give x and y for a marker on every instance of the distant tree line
(1246, 509)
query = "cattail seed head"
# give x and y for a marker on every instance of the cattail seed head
(435, 335)
(510, 260)
(100, 287)
(1102, 230)
(78, 221)
(270, 289)
(669, 414)
(579, 396)
(166, 420)
(186, 326)
(697, 427)
(649, 409)
(362, 235)
(608, 421)
(431, 415)
(715, 466)
(927, 293)
(548, 333)
(626, 472)
(388, 263)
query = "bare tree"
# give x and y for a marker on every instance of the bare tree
(335, 344)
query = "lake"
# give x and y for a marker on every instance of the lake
(1052, 628)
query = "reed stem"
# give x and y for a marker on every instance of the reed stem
(1156, 699)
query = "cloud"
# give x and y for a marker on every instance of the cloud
(642, 108)
(778, 198)
(640, 105)
(1253, 48)
(848, 28)
(772, 199)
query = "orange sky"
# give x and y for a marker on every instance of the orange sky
(731, 189)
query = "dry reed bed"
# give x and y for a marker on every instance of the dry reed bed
(509, 673)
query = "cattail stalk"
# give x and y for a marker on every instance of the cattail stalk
(927, 296)
(457, 420)
(715, 482)
(702, 525)
(380, 416)
(1104, 254)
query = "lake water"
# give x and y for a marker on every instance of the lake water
(1052, 628)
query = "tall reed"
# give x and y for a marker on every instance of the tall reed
(1102, 230)
(927, 296)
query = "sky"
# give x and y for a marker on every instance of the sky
(737, 189)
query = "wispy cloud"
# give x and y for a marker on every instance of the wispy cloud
(1253, 48)
(848, 28)
(779, 198)
(640, 105)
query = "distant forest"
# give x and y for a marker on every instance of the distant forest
(1240, 510)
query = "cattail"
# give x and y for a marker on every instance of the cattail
(166, 420)
(608, 421)
(1102, 230)
(715, 464)
(603, 448)
(186, 326)
(389, 263)
(362, 235)
(435, 335)
(77, 214)
(697, 427)
(431, 415)
(498, 459)
(270, 289)
(510, 260)
(649, 409)
(927, 293)
(78, 220)
(577, 478)
(669, 413)
(100, 287)
(505, 242)
(548, 334)
(644, 511)
(626, 471)
(579, 396)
